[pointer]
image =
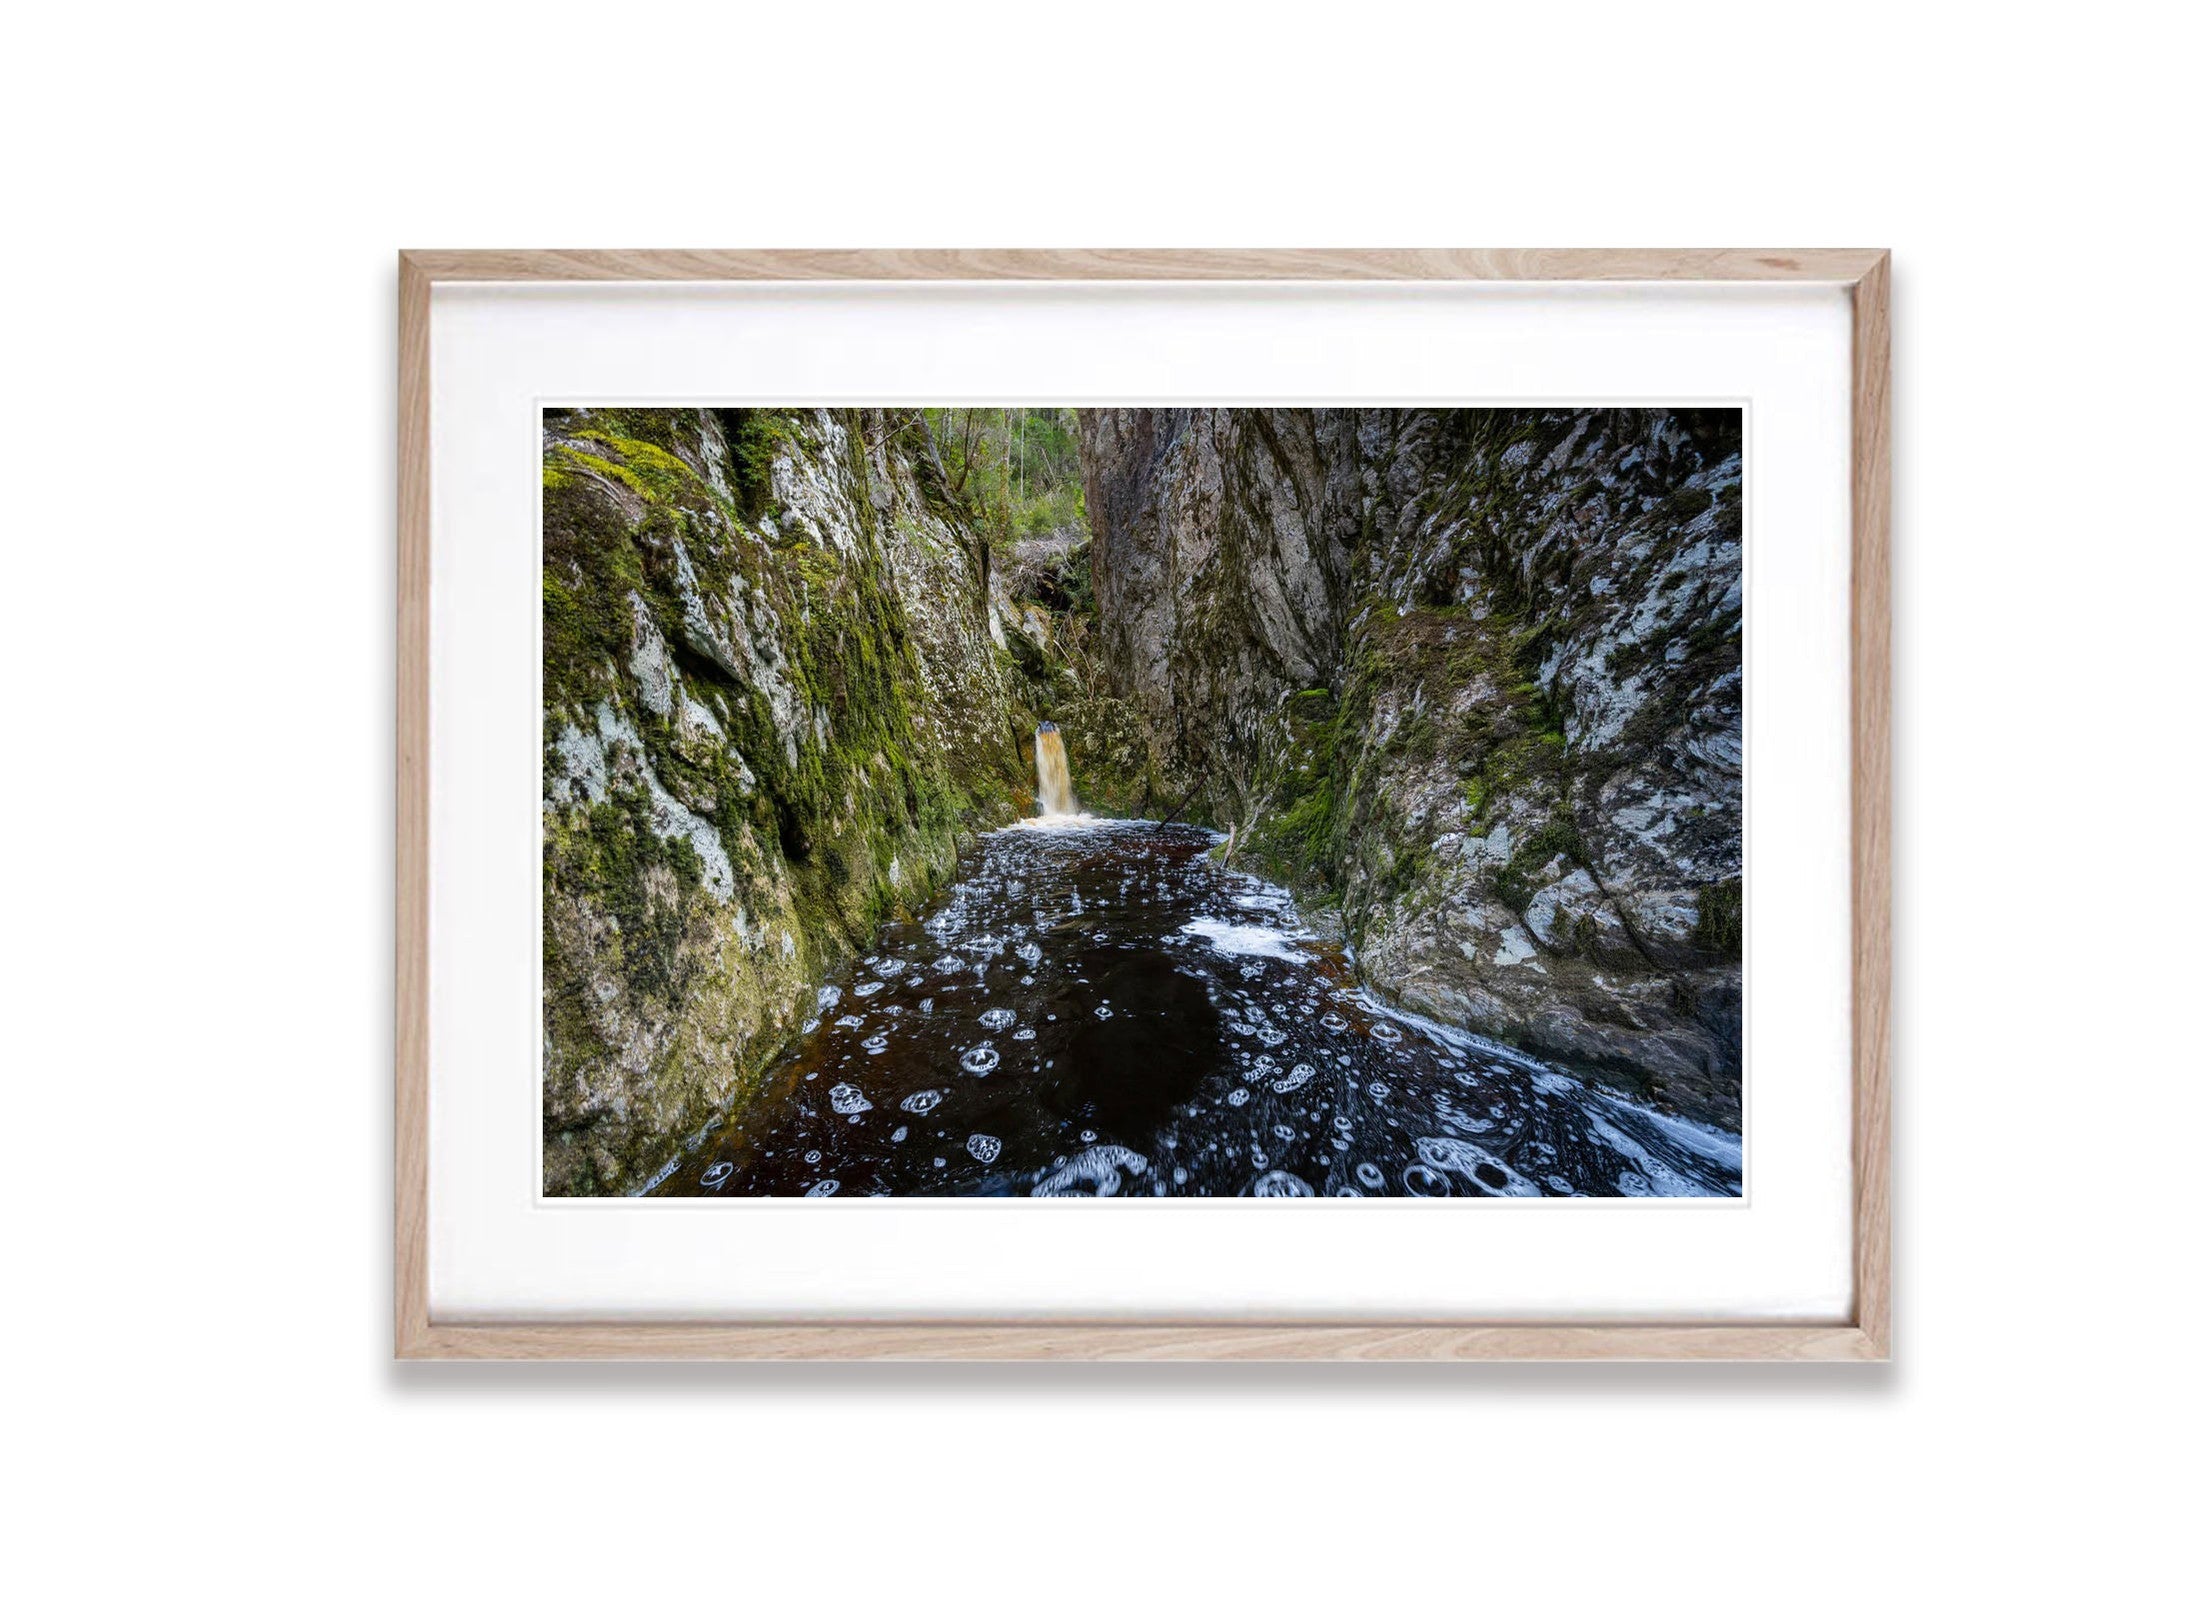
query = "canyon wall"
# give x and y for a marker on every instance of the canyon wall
(1471, 682)
(778, 693)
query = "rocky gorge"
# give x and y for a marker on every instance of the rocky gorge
(1473, 679)
(1464, 686)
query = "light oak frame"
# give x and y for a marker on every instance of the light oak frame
(1863, 1335)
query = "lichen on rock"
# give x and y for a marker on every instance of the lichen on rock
(774, 706)
(1473, 679)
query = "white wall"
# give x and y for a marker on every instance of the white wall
(197, 615)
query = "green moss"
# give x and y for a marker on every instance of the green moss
(1515, 885)
(1718, 918)
(857, 822)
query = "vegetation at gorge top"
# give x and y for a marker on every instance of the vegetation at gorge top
(1016, 469)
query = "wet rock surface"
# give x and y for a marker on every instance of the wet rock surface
(1098, 1009)
(775, 706)
(1471, 682)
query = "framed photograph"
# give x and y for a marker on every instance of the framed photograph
(1371, 764)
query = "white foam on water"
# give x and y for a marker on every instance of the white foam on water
(1237, 1096)
(824, 1190)
(1295, 1078)
(1653, 1178)
(923, 1101)
(1469, 1160)
(1091, 1173)
(1236, 938)
(997, 1018)
(716, 1175)
(977, 1062)
(1714, 1144)
(983, 1147)
(1424, 1182)
(865, 990)
(1281, 1184)
(848, 1100)
(1024, 1034)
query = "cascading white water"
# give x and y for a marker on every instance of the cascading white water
(1055, 796)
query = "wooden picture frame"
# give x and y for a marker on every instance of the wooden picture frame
(1863, 1335)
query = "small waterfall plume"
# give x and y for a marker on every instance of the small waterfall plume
(1055, 796)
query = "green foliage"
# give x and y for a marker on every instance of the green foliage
(1016, 470)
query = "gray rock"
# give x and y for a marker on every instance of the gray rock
(1473, 680)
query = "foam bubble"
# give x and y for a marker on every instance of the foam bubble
(848, 1100)
(1295, 1078)
(923, 1101)
(1235, 938)
(823, 1190)
(1096, 1173)
(997, 1018)
(984, 1147)
(715, 1176)
(977, 1062)
(1281, 1184)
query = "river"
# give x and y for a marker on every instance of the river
(1098, 1008)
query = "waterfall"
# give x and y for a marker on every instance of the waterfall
(1055, 796)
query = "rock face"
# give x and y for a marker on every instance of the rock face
(777, 694)
(1472, 678)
